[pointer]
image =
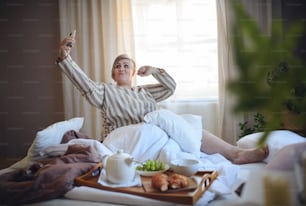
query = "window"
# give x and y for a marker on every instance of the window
(181, 36)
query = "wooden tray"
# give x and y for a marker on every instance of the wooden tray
(190, 196)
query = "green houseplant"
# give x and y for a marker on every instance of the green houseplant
(270, 76)
(257, 125)
(295, 103)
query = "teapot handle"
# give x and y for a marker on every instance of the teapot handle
(104, 160)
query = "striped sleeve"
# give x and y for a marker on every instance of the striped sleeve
(92, 91)
(164, 89)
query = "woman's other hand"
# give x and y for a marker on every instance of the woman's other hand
(146, 71)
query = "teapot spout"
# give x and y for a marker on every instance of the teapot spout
(136, 161)
(129, 161)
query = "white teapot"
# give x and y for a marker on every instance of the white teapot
(119, 168)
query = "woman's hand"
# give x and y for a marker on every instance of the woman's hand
(146, 71)
(65, 47)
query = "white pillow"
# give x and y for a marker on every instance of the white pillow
(52, 135)
(195, 121)
(276, 140)
(187, 135)
(142, 141)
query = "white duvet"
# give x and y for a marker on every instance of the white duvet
(147, 141)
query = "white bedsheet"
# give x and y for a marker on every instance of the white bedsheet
(223, 185)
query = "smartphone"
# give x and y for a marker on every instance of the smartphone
(72, 34)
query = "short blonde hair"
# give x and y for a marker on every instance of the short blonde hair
(120, 57)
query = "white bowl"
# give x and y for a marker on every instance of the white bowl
(187, 167)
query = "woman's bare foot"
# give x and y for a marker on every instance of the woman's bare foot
(244, 156)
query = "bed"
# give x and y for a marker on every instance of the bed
(164, 136)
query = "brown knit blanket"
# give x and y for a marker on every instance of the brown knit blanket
(47, 179)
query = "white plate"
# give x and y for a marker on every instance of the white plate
(152, 173)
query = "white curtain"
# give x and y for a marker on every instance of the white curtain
(261, 11)
(103, 30)
(227, 122)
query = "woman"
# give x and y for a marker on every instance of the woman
(122, 104)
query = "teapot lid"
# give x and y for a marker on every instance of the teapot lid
(120, 155)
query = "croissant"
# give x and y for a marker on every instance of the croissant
(177, 181)
(160, 182)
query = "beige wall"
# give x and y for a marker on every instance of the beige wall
(30, 83)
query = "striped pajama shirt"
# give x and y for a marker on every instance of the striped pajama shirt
(119, 106)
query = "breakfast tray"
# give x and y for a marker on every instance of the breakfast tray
(187, 196)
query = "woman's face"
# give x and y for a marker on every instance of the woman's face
(123, 72)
